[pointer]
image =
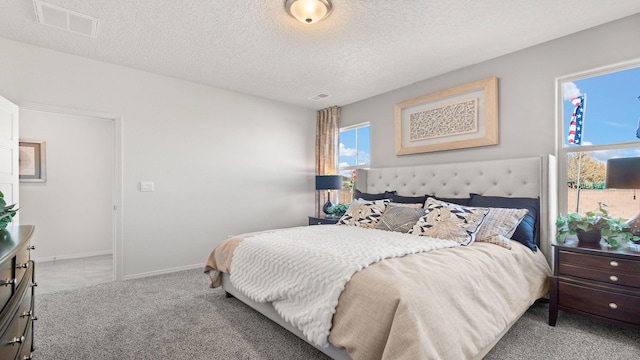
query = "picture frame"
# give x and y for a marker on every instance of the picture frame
(32, 161)
(461, 117)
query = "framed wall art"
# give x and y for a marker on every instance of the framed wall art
(32, 159)
(460, 117)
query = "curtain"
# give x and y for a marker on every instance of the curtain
(327, 130)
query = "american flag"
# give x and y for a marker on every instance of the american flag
(576, 124)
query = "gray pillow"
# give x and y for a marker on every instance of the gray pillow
(399, 218)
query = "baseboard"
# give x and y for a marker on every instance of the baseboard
(163, 271)
(73, 256)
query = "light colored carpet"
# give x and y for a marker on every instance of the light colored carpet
(177, 316)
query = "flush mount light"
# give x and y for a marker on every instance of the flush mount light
(308, 11)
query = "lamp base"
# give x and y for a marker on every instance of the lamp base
(326, 206)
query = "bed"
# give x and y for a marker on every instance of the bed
(446, 302)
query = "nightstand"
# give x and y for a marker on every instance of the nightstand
(596, 282)
(321, 220)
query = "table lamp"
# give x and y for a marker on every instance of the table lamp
(624, 173)
(328, 182)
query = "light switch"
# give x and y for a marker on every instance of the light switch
(146, 186)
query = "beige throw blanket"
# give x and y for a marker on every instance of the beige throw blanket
(302, 271)
(445, 304)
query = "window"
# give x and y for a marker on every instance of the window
(600, 120)
(355, 153)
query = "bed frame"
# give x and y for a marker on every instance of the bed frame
(521, 177)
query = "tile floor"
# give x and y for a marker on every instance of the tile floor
(58, 275)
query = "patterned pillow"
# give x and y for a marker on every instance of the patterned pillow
(449, 221)
(499, 225)
(408, 205)
(364, 213)
(399, 218)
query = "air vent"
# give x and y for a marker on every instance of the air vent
(319, 97)
(64, 19)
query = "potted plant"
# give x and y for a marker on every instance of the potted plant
(7, 212)
(337, 210)
(593, 227)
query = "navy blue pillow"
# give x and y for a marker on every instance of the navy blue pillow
(357, 194)
(458, 201)
(528, 228)
(408, 199)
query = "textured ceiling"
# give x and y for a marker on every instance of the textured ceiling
(364, 48)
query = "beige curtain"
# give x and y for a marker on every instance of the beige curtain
(327, 130)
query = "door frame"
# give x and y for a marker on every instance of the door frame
(116, 192)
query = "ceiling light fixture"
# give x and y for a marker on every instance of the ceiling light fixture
(308, 11)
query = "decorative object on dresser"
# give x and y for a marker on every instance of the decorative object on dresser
(16, 293)
(321, 220)
(593, 227)
(624, 173)
(7, 212)
(597, 282)
(328, 182)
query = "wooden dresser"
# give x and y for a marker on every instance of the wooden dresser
(599, 283)
(16, 293)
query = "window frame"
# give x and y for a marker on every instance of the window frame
(562, 130)
(352, 127)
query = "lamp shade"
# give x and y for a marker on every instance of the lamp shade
(623, 173)
(328, 182)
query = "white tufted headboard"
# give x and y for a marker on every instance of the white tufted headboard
(522, 177)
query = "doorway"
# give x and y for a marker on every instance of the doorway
(76, 211)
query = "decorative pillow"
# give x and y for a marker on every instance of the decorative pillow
(364, 213)
(408, 199)
(528, 228)
(357, 194)
(449, 221)
(409, 205)
(399, 218)
(459, 201)
(499, 225)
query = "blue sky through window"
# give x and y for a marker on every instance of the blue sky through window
(612, 110)
(355, 147)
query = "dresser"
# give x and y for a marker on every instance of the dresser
(16, 293)
(596, 282)
(320, 220)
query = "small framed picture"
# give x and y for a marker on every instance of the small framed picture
(33, 159)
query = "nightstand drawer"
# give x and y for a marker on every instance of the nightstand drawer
(609, 276)
(601, 303)
(599, 261)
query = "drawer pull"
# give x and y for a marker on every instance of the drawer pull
(613, 278)
(26, 313)
(22, 266)
(16, 340)
(8, 282)
(613, 306)
(613, 263)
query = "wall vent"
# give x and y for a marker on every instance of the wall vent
(64, 19)
(319, 97)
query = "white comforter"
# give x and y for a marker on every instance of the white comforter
(303, 270)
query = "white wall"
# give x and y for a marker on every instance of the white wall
(222, 162)
(526, 94)
(74, 206)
